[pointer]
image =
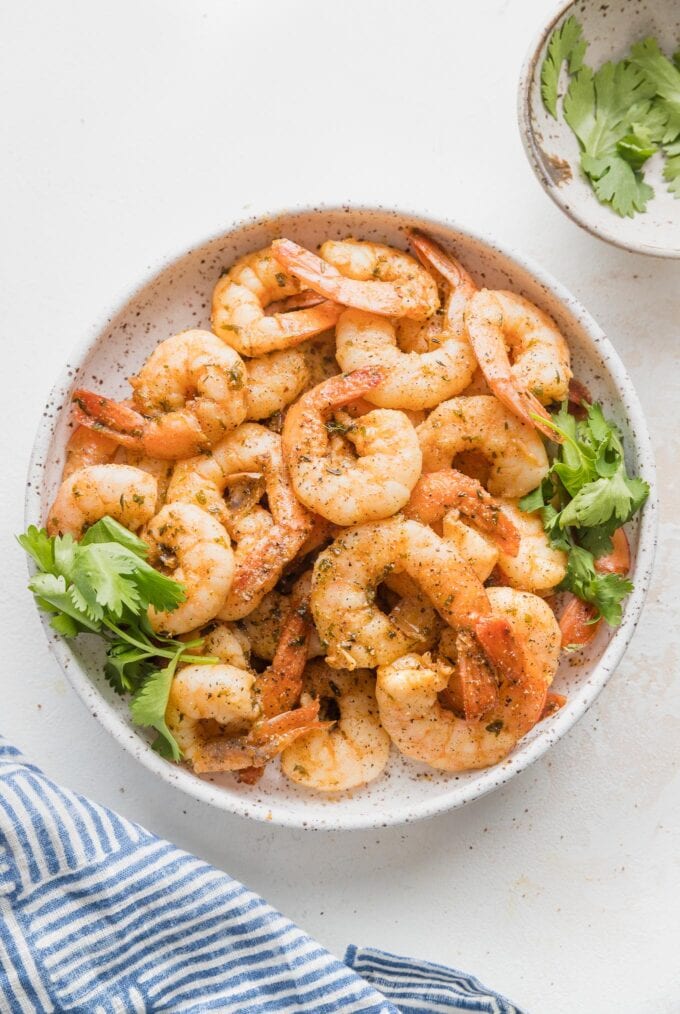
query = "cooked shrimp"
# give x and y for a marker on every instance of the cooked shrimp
(366, 276)
(274, 381)
(413, 380)
(580, 620)
(87, 447)
(238, 303)
(320, 358)
(499, 323)
(448, 324)
(202, 481)
(514, 451)
(124, 493)
(407, 692)
(537, 566)
(194, 548)
(228, 718)
(343, 488)
(264, 626)
(436, 493)
(348, 573)
(188, 394)
(355, 748)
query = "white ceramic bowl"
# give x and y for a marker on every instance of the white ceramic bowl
(177, 295)
(553, 151)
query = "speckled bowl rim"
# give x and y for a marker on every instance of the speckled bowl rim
(489, 779)
(531, 147)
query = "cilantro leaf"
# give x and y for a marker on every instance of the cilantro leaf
(588, 494)
(635, 149)
(149, 703)
(604, 591)
(39, 546)
(107, 529)
(53, 595)
(598, 105)
(566, 43)
(671, 172)
(661, 75)
(104, 585)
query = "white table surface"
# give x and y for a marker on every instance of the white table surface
(137, 126)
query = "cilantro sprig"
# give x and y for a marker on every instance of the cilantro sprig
(586, 496)
(104, 585)
(621, 113)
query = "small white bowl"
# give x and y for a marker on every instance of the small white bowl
(552, 149)
(176, 295)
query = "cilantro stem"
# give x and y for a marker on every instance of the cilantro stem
(151, 650)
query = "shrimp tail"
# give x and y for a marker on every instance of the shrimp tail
(526, 407)
(109, 417)
(280, 685)
(473, 688)
(430, 254)
(495, 635)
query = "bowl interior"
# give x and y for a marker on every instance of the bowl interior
(553, 149)
(178, 297)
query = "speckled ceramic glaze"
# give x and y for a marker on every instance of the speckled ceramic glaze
(609, 28)
(177, 296)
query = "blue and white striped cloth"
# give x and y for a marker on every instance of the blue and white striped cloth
(99, 916)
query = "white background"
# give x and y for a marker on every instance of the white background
(135, 127)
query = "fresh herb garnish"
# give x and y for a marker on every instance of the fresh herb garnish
(621, 114)
(585, 497)
(104, 585)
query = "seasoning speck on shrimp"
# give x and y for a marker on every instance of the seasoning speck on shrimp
(366, 276)
(239, 301)
(189, 393)
(342, 487)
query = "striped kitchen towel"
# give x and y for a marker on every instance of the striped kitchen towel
(99, 916)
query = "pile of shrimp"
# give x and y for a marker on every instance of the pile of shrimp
(333, 473)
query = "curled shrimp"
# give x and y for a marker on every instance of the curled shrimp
(274, 381)
(124, 493)
(273, 536)
(413, 380)
(499, 323)
(194, 549)
(516, 458)
(341, 487)
(188, 394)
(580, 621)
(355, 748)
(421, 727)
(347, 576)
(366, 276)
(239, 301)
(219, 714)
